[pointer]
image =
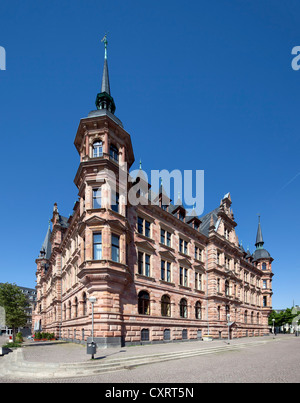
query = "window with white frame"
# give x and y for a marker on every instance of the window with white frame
(144, 264)
(97, 149)
(165, 271)
(183, 276)
(198, 281)
(144, 227)
(183, 246)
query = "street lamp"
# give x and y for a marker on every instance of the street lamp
(273, 328)
(93, 346)
(228, 323)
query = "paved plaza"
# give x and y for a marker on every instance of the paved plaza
(259, 360)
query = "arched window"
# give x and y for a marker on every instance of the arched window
(165, 306)
(252, 318)
(257, 318)
(264, 266)
(246, 317)
(198, 310)
(97, 149)
(144, 303)
(64, 312)
(114, 153)
(183, 308)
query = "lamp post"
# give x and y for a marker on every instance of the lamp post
(92, 301)
(273, 328)
(228, 323)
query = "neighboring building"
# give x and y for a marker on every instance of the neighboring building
(158, 272)
(30, 294)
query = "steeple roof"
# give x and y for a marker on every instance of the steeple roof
(105, 87)
(260, 252)
(259, 238)
(104, 99)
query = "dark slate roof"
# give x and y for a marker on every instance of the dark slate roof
(105, 79)
(46, 247)
(204, 226)
(63, 221)
(248, 254)
(261, 254)
(259, 237)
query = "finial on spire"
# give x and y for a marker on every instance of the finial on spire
(104, 40)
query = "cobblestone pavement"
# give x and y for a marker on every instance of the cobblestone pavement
(275, 361)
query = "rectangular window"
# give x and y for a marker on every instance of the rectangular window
(168, 239)
(147, 229)
(115, 202)
(183, 276)
(144, 227)
(264, 301)
(97, 198)
(264, 283)
(140, 263)
(165, 271)
(140, 225)
(144, 264)
(162, 236)
(183, 246)
(97, 246)
(147, 265)
(198, 281)
(115, 248)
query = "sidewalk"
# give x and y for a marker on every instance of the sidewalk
(51, 360)
(64, 352)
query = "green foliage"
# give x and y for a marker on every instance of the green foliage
(19, 337)
(15, 303)
(12, 345)
(44, 336)
(281, 318)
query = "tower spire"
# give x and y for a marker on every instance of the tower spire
(104, 99)
(259, 238)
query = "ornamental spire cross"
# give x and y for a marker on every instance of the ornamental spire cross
(104, 40)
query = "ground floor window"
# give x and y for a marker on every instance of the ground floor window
(145, 335)
(144, 303)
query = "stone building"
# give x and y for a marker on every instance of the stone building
(158, 272)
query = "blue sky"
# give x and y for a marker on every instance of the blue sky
(204, 85)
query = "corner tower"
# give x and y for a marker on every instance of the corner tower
(106, 155)
(264, 260)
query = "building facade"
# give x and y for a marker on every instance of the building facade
(158, 273)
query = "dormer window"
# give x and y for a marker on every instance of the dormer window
(97, 149)
(181, 215)
(114, 153)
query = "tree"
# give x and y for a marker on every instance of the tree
(281, 318)
(15, 303)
